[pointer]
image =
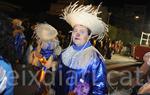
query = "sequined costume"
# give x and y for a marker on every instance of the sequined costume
(43, 54)
(20, 44)
(84, 67)
(46, 51)
(6, 78)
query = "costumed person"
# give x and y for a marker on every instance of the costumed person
(7, 57)
(19, 37)
(138, 87)
(6, 77)
(82, 70)
(43, 56)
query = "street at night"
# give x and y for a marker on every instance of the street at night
(70, 47)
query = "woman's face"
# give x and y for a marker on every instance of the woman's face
(45, 35)
(80, 35)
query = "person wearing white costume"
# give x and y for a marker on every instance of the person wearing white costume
(82, 69)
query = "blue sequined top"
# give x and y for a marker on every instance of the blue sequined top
(19, 44)
(47, 51)
(10, 77)
(92, 72)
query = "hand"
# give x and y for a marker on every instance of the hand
(144, 89)
(38, 49)
(50, 63)
(37, 54)
(39, 46)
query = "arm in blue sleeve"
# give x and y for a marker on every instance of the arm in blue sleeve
(10, 81)
(99, 77)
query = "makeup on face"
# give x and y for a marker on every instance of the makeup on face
(80, 35)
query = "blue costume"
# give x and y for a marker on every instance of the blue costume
(9, 90)
(19, 44)
(48, 50)
(81, 66)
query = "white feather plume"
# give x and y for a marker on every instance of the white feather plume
(85, 15)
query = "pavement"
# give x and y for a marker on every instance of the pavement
(122, 62)
(121, 70)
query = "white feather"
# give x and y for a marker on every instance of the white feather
(85, 15)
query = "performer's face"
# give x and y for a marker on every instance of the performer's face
(146, 58)
(80, 35)
(45, 35)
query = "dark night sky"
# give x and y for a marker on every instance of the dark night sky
(38, 6)
(43, 4)
(121, 2)
(31, 5)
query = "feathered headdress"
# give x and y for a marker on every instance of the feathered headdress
(85, 15)
(45, 32)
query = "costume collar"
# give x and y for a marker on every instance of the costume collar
(78, 48)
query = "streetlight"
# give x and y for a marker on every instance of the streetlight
(137, 17)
